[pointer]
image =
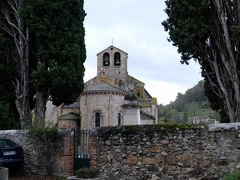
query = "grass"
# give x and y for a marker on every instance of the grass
(233, 176)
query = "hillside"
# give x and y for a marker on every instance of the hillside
(186, 106)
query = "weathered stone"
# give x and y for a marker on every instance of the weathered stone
(145, 152)
(155, 177)
(134, 153)
(205, 163)
(148, 143)
(108, 142)
(185, 159)
(115, 137)
(171, 159)
(124, 155)
(164, 153)
(164, 141)
(109, 157)
(148, 161)
(132, 160)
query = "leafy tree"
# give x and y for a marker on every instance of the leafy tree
(8, 112)
(12, 23)
(48, 52)
(208, 31)
(192, 103)
(58, 47)
(185, 117)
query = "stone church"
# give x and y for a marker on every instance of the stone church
(113, 97)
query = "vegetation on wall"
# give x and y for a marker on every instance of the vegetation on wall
(233, 176)
(105, 132)
(47, 139)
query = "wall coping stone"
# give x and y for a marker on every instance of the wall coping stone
(11, 132)
(224, 126)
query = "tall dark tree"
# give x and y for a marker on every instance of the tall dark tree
(13, 24)
(208, 31)
(49, 51)
(58, 48)
(8, 113)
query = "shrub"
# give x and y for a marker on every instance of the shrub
(233, 176)
(87, 172)
(46, 139)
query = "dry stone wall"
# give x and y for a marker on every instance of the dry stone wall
(147, 153)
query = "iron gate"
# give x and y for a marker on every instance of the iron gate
(82, 151)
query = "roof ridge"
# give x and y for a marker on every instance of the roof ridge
(111, 46)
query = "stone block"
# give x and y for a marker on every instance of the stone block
(164, 141)
(185, 158)
(132, 160)
(171, 159)
(148, 161)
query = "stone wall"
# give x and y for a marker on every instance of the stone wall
(153, 152)
(40, 160)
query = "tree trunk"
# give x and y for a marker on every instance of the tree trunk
(40, 108)
(227, 77)
(13, 24)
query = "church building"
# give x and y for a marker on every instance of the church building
(111, 98)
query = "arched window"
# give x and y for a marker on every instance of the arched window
(97, 119)
(119, 119)
(117, 59)
(106, 59)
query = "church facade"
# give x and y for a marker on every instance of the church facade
(113, 97)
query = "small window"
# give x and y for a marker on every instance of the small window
(117, 59)
(97, 119)
(119, 119)
(106, 59)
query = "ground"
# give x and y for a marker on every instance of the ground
(28, 176)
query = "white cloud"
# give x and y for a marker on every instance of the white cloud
(164, 91)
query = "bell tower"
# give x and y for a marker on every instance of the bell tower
(112, 62)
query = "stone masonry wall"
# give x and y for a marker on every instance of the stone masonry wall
(154, 153)
(59, 161)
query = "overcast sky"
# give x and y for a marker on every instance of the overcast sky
(135, 27)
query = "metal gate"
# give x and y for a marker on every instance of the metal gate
(82, 151)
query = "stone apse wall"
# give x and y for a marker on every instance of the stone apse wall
(147, 152)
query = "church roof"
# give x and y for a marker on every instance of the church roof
(112, 47)
(144, 115)
(131, 105)
(101, 86)
(73, 105)
(69, 116)
(131, 78)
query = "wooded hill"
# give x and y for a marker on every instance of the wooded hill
(186, 106)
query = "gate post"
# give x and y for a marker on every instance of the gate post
(68, 153)
(68, 122)
(93, 149)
